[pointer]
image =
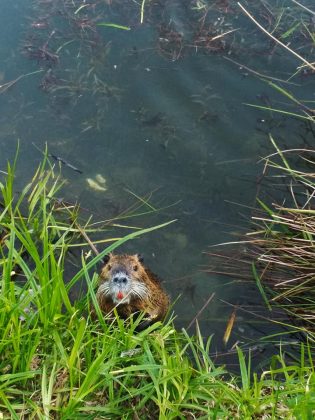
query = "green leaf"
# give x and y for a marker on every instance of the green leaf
(114, 25)
(260, 286)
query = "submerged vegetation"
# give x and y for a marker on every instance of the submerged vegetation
(55, 362)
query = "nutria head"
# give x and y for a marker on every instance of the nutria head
(122, 277)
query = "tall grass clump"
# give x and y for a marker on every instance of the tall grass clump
(284, 235)
(278, 253)
(55, 362)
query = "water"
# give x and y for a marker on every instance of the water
(160, 115)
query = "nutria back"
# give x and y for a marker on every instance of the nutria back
(127, 285)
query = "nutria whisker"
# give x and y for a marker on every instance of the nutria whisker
(140, 290)
(103, 289)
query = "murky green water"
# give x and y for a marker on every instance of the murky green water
(158, 111)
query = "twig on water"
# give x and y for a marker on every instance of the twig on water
(263, 76)
(225, 33)
(310, 65)
(303, 7)
(142, 11)
(201, 310)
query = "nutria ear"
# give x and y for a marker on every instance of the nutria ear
(140, 258)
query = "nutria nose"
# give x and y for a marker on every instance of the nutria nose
(120, 280)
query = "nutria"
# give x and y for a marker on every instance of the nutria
(127, 285)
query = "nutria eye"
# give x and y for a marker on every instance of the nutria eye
(106, 259)
(109, 267)
(135, 268)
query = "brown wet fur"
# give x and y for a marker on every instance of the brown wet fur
(156, 302)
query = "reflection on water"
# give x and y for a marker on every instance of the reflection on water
(156, 112)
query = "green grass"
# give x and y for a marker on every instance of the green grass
(55, 362)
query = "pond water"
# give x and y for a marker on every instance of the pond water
(159, 112)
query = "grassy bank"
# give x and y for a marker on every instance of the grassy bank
(55, 362)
